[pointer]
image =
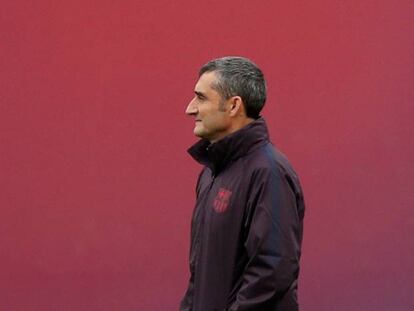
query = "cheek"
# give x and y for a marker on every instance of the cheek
(208, 119)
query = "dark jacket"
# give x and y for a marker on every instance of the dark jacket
(247, 226)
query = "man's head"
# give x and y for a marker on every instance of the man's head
(230, 93)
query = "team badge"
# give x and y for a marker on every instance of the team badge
(221, 202)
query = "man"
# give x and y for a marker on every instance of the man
(247, 225)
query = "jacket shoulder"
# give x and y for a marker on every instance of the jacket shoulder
(270, 161)
(268, 157)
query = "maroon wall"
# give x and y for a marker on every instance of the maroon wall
(96, 188)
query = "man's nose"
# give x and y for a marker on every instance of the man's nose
(191, 108)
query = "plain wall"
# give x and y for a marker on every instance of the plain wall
(96, 187)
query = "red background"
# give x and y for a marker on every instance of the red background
(96, 188)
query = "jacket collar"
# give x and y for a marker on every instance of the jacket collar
(218, 155)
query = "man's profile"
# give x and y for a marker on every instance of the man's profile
(247, 225)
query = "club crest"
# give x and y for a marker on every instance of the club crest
(221, 202)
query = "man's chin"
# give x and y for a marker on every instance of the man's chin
(199, 133)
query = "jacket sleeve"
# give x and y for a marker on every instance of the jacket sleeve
(272, 242)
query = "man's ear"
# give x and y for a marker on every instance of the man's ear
(236, 106)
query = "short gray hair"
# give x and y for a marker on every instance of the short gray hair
(239, 76)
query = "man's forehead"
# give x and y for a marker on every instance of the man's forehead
(206, 81)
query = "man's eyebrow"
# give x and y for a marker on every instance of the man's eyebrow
(200, 94)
